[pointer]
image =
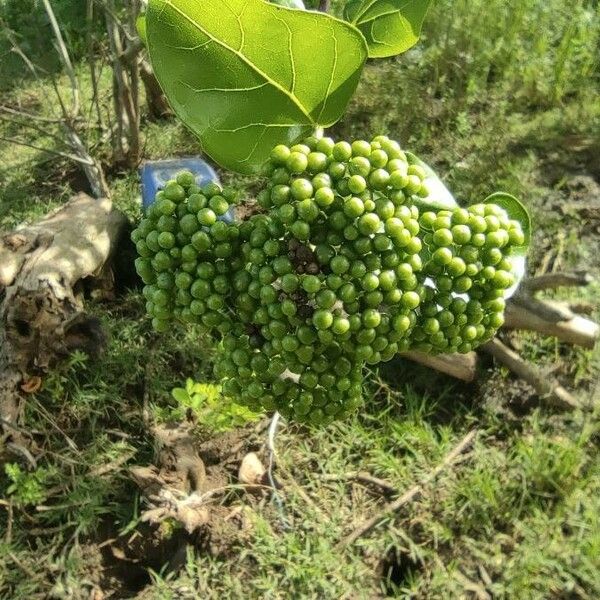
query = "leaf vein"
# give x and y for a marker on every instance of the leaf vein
(385, 14)
(245, 59)
(218, 89)
(331, 77)
(367, 6)
(253, 149)
(248, 125)
(191, 48)
(290, 51)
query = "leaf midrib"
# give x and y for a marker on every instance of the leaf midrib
(243, 57)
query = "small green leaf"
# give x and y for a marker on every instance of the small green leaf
(197, 401)
(140, 25)
(389, 26)
(439, 197)
(181, 395)
(245, 75)
(515, 210)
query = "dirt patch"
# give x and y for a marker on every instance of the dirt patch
(190, 499)
(247, 209)
(577, 202)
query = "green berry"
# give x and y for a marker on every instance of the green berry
(280, 154)
(368, 224)
(311, 284)
(361, 148)
(359, 165)
(357, 184)
(301, 189)
(297, 162)
(206, 216)
(354, 207)
(339, 264)
(442, 237)
(174, 192)
(324, 197)
(410, 300)
(342, 151)
(317, 162)
(322, 319)
(379, 179)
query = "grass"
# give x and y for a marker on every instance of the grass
(491, 106)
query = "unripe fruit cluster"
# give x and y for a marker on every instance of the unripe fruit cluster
(342, 268)
(187, 254)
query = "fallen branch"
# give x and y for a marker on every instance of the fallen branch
(288, 479)
(459, 366)
(45, 270)
(555, 280)
(545, 386)
(71, 116)
(27, 115)
(580, 306)
(543, 309)
(412, 493)
(576, 330)
(548, 317)
(73, 157)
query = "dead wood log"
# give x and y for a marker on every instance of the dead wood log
(459, 366)
(45, 271)
(576, 330)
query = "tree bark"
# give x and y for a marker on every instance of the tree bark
(158, 107)
(45, 271)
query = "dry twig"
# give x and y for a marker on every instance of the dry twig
(70, 116)
(64, 57)
(554, 280)
(543, 385)
(412, 493)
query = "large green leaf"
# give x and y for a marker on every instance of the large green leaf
(245, 75)
(389, 26)
(440, 197)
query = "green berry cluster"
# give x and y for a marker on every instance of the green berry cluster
(187, 254)
(341, 268)
(468, 271)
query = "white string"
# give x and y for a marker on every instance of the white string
(271, 445)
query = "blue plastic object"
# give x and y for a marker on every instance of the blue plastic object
(156, 173)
